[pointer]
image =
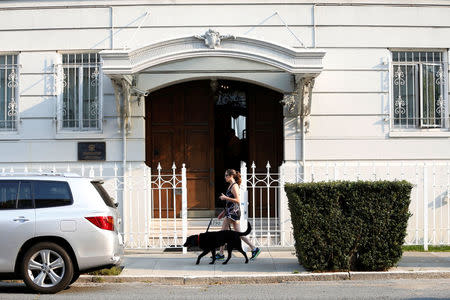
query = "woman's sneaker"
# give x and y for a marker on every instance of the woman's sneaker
(255, 253)
(220, 256)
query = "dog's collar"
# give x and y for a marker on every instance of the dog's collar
(198, 239)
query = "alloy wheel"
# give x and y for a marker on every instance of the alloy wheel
(46, 268)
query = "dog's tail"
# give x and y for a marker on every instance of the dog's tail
(249, 228)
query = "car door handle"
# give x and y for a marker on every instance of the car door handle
(22, 219)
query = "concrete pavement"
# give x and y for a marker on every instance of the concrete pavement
(271, 266)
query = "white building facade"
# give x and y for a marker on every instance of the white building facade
(320, 89)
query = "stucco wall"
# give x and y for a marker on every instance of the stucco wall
(350, 97)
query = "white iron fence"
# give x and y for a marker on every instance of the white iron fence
(153, 202)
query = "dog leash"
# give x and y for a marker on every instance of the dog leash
(210, 220)
(209, 225)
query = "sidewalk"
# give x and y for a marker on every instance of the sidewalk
(271, 266)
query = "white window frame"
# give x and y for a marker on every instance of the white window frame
(15, 84)
(60, 78)
(445, 128)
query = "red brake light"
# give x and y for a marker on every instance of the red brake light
(106, 223)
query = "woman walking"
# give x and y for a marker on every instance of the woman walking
(232, 212)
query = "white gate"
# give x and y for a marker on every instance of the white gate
(265, 206)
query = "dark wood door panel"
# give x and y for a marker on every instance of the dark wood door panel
(197, 104)
(198, 150)
(162, 145)
(179, 124)
(199, 190)
(163, 108)
(265, 129)
(265, 145)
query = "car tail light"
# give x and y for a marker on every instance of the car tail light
(106, 223)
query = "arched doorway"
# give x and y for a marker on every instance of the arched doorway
(211, 125)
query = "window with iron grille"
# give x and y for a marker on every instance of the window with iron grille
(418, 89)
(80, 106)
(8, 92)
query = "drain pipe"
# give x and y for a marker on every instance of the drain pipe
(125, 95)
(303, 147)
(124, 149)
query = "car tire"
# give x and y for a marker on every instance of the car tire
(75, 277)
(47, 268)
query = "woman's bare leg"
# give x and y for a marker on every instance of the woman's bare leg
(225, 226)
(237, 228)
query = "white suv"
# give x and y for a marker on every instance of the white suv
(53, 227)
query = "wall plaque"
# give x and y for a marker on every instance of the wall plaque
(92, 151)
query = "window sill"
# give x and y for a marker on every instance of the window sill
(70, 135)
(9, 135)
(424, 133)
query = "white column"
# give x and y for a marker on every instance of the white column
(244, 202)
(292, 131)
(425, 208)
(184, 205)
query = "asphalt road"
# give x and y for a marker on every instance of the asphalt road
(378, 289)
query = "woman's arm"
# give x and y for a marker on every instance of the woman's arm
(235, 192)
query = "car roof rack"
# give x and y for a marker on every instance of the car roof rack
(24, 174)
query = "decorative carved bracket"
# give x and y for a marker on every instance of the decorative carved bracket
(298, 103)
(290, 105)
(213, 38)
(122, 91)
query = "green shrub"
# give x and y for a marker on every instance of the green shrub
(346, 225)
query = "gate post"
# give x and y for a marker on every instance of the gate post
(282, 206)
(244, 201)
(184, 205)
(425, 208)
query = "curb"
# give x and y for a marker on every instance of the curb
(256, 279)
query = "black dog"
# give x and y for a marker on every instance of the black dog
(209, 241)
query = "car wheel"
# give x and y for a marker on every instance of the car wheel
(47, 268)
(75, 277)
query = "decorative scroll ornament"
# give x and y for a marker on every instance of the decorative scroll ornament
(93, 108)
(440, 105)
(440, 76)
(94, 77)
(398, 77)
(60, 76)
(12, 108)
(64, 109)
(213, 38)
(399, 105)
(12, 79)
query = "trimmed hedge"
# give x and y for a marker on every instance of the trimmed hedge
(346, 225)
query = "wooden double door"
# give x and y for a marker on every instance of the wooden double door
(180, 127)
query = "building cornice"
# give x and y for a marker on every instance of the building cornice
(51, 4)
(291, 60)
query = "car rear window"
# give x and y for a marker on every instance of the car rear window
(103, 193)
(52, 193)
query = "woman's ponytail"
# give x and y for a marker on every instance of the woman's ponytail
(236, 175)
